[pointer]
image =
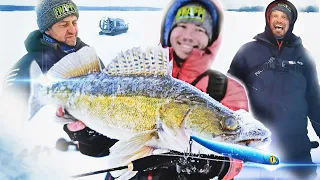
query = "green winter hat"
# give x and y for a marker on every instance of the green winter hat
(50, 12)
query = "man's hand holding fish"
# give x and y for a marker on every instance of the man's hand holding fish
(136, 101)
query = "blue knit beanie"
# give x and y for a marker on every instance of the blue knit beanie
(50, 12)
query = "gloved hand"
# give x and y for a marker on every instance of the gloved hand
(208, 167)
(91, 143)
(187, 166)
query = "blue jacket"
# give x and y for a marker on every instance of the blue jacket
(283, 89)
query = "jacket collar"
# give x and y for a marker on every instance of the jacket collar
(36, 43)
(64, 47)
(289, 40)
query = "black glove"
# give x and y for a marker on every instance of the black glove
(91, 143)
(176, 165)
(202, 166)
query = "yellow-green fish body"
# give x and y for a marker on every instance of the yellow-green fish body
(136, 101)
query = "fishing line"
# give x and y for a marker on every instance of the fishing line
(168, 155)
(99, 172)
(196, 157)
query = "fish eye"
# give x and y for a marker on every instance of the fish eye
(229, 123)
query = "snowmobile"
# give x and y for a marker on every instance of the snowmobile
(112, 26)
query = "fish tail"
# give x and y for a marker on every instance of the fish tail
(37, 80)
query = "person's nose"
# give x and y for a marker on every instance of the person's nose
(279, 20)
(72, 29)
(187, 36)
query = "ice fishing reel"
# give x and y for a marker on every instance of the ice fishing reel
(63, 145)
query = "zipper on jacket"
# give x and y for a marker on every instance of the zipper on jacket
(279, 45)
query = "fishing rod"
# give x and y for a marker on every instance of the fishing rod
(244, 153)
(158, 161)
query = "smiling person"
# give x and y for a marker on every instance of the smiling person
(191, 30)
(56, 37)
(282, 84)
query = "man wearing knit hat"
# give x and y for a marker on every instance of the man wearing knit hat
(57, 19)
(280, 28)
(282, 85)
(191, 29)
(195, 17)
(55, 38)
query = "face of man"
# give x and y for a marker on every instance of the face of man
(279, 23)
(65, 31)
(187, 36)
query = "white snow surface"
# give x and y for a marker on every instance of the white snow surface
(144, 29)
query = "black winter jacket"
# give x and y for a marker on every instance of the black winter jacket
(17, 82)
(283, 89)
(44, 53)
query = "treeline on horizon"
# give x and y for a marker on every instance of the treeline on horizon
(308, 9)
(311, 8)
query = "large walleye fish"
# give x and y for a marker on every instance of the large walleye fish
(137, 101)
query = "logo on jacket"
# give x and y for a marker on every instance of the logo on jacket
(279, 65)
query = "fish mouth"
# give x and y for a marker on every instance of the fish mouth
(250, 142)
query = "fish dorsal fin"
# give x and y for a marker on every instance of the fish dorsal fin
(83, 62)
(152, 60)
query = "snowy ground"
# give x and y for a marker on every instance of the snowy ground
(144, 29)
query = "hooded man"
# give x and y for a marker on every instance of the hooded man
(282, 85)
(56, 37)
(191, 29)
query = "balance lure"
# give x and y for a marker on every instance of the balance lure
(244, 153)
